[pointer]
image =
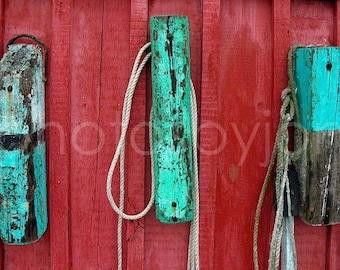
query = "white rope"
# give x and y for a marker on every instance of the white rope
(282, 187)
(137, 69)
(193, 249)
(281, 157)
(120, 153)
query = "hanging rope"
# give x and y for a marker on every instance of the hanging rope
(193, 249)
(282, 158)
(120, 153)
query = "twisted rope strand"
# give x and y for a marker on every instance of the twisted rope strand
(282, 158)
(193, 248)
(120, 154)
(137, 69)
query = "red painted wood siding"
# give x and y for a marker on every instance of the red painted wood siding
(238, 63)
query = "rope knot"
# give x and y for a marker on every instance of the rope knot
(286, 93)
(281, 159)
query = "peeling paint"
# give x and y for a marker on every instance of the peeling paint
(172, 131)
(23, 207)
(317, 79)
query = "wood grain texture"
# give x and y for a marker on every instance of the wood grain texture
(58, 131)
(209, 132)
(317, 83)
(115, 49)
(308, 241)
(333, 232)
(135, 155)
(318, 174)
(2, 26)
(172, 131)
(332, 247)
(23, 189)
(33, 18)
(312, 22)
(2, 47)
(303, 16)
(86, 137)
(244, 121)
(166, 245)
(336, 24)
(238, 66)
(281, 43)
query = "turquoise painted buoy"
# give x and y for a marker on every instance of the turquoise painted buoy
(23, 195)
(172, 130)
(317, 73)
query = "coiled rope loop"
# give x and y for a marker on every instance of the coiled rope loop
(193, 249)
(120, 150)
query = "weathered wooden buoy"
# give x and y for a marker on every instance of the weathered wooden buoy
(172, 128)
(23, 195)
(317, 76)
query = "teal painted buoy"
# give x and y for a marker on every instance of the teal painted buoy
(317, 74)
(172, 130)
(23, 194)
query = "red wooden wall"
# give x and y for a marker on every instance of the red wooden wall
(238, 63)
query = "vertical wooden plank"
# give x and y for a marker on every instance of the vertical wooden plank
(281, 45)
(34, 18)
(316, 78)
(2, 46)
(2, 26)
(58, 128)
(136, 159)
(166, 246)
(87, 137)
(311, 23)
(114, 76)
(172, 131)
(209, 140)
(333, 232)
(23, 188)
(244, 131)
(336, 23)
